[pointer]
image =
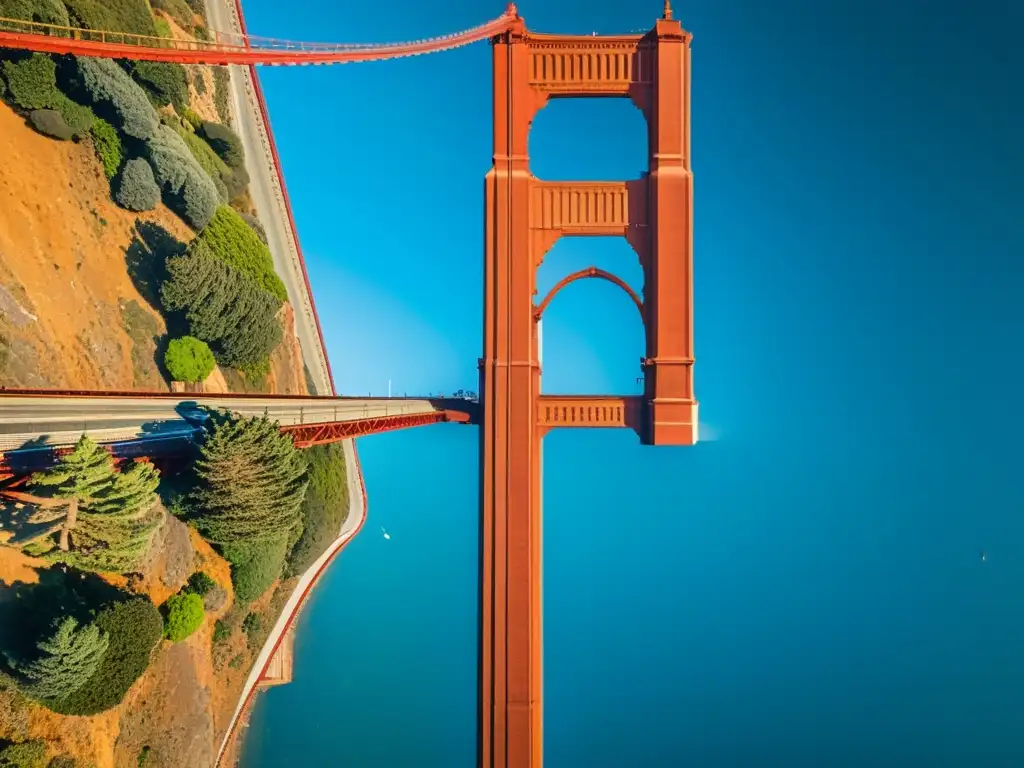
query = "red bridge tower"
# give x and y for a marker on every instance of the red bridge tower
(524, 217)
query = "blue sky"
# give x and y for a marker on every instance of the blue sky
(858, 273)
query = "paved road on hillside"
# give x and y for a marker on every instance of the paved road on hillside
(269, 200)
(62, 421)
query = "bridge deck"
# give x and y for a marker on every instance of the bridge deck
(37, 420)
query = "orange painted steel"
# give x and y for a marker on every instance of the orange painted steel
(307, 435)
(583, 274)
(524, 217)
(226, 48)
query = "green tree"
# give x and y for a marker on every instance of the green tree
(185, 613)
(251, 480)
(27, 754)
(134, 627)
(68, 659)
(116, 527)
(234, 242)
(188, 359)
(79, 476)
(324, 507)
(221, 306)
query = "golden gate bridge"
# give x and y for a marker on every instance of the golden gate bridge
(525, 216)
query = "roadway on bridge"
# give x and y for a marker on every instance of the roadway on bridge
(268, 198)
(61, 421)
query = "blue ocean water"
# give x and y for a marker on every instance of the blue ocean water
(804, 589)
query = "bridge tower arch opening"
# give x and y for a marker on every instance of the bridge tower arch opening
(524, 217)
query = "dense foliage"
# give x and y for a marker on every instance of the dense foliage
(27, 754)
(209, 161)
(188, 115)
(49, 122)
(221, 306)
(111, 516)
(165, 83)
(137, 189)
(257, 226)
(117, 15)
(251, 480)
(188, 359)
(115, 531)
(67, 661)
(43, 11)
(79, 476)
(108, 146)
(117, 97)
(234, 242)
(225, 143)
(184, 615)
(133, 628)
(324, 507)
(33, 82)
(187, 189)
(255, 565)
(200, 583)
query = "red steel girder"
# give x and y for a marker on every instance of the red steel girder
(306, 435)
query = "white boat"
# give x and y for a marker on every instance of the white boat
(386, 534)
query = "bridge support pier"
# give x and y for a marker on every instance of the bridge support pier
(523, 218)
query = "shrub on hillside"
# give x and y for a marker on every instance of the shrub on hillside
(222, 306)
(232, 240)
(197, 6)
(133, 628)
(113, 15)
(185, 613)
(255, 565)
(33, 82)
(49, 122)
(189, 359)
(43, 11)
(137, 189)
(257, 226)
(324, 507)
(210, 162)
(225, 143)
(190, 115)
(237, 183)
(200, 583)
(163, 29)
(187, 189)
(165, 83)
(108, 147)
(27, 754)
(77, 117)
(112, 90)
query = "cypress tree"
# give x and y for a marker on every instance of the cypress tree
(252, 480)
(68, 659)
(77, 477)
(222, 306)
(115, 529)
